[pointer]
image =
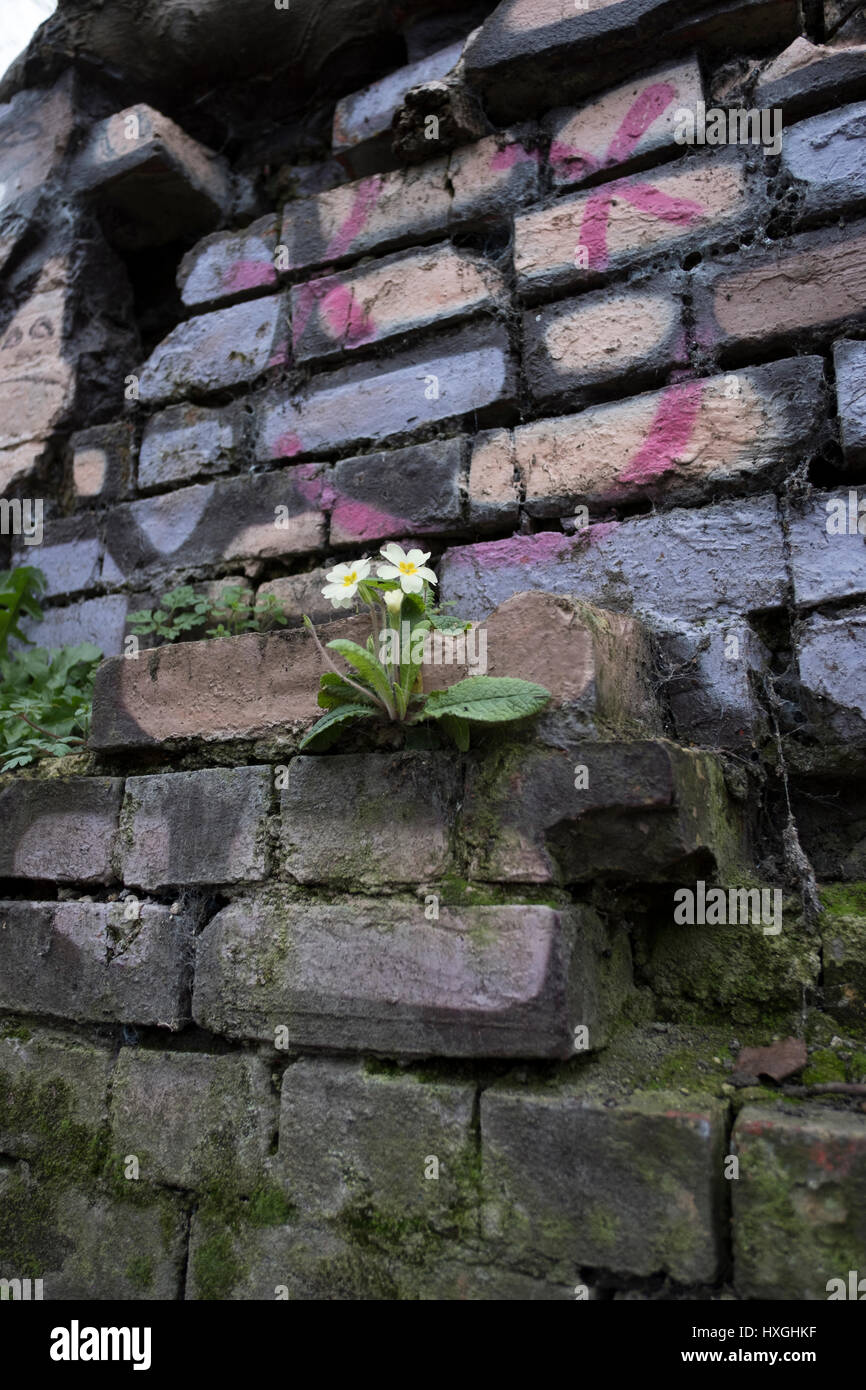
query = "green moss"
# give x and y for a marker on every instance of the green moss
(603, 1226)
(13, 1030)
(216, 1267)
(268, 1206)
(139, 1272)
(30, 1243)
(858, 1066)
(455, 891)
(824, 1065)
(729, 973)
(789, 1232)
(844, 899)
(43, 1113)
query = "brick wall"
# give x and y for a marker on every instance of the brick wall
(392, 1021)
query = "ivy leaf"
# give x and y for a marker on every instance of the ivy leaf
(327, 730)
(487, 700)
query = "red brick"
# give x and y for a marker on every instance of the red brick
(808, 285)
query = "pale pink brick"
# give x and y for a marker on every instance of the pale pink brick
(621, 223)
(399, 294)
(682, 441)
(493, 493)
(623, 126)
(577, 346)
(379, 213)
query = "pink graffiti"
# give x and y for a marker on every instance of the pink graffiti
(248, 275)
(638, 119)
(357, 521)
(516, 551)
(311, 486)
(287, 445)
(366, 197)
(346, 318)
(600, 530)
(668, 435)
(641, 115)
(511, 155)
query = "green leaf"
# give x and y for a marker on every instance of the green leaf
(401, 701)
(328, 729)
(19, 590)
(368, 667)
(445, 622)
(458, 729)
(409, 669)
(334, 691)
(487, 700)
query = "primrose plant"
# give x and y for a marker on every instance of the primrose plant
(407, 630)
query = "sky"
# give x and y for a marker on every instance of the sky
(19, 20)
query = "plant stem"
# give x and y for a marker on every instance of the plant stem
(368, 694)
(46, 733)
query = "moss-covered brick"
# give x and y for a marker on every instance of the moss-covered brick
(354, 1138)
(735, 972)
(639, 810)
(382, 976)
(799, 1203)
(51, 1089)
(194, 1120)
(628, 1184)
(394, 822)
(843, 949)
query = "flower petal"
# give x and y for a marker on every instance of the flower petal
(411, 584)
(417, 557)
(393, 552)
(388, 572)
(427, 574)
